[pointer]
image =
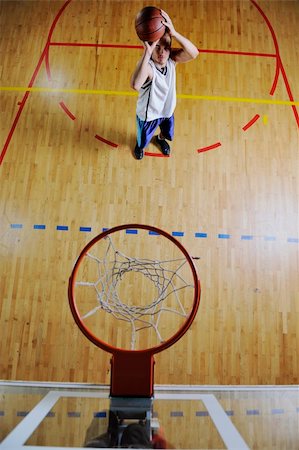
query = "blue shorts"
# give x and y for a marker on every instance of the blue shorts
(145, 130)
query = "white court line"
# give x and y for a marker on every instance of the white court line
(41, 447)
(158, 387)
(216, 388)
(17, 438)
(54, 385)
(228, 432)
(20, 434)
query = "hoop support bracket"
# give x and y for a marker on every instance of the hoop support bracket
(132, 374)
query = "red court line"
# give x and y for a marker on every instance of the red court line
(48, 71)
(21, 107)
(78, 44)
(33, 78)
(222, 52)
(100, 138)
(279, 65)
(275, 80)
(45, 54)
(251, 122)
(239, 53)
(67, 111)
(50, 36)
(288, 88)
(158, 155)
(274, 85)
(210, 147)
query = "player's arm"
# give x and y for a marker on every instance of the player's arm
(188, 50)
(143, 69)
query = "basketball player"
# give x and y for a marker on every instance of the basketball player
(154, 79)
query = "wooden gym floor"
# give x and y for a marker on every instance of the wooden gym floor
(229, 191)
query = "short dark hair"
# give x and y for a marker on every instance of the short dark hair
(135, 436)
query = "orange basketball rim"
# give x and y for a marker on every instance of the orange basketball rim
(161, 289)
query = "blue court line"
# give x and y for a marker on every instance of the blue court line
(246, 237)
(39, 227)
(203, 235)
(74, 414)
(176, 414)
(103, 414)
(86, 229)
(201, 413)
(177, 233)
(131, 231)
(100, 414)
(252, 412)
(16, 225)
(294, 240)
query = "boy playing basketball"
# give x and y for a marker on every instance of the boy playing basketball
(154, 79)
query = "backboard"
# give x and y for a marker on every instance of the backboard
(49, 415)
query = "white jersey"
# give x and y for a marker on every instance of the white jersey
(157, 97)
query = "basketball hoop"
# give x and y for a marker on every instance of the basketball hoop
(134, 306)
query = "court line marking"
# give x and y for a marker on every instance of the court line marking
(100, 138)
(32, 81)
(21, 433)
(45, 56)
(67, 111)
(220, 98)
(279, 65)
(251, 122)
(158, 387)
(228, 432)
(198, 235)
(140, 47)
(209, 147)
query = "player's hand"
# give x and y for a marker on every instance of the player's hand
(168, 22)
(150, 46)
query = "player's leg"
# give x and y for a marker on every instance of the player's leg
(167, 132)
(145, 132)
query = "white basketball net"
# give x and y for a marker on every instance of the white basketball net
(168, 282)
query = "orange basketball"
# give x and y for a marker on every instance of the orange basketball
(148, 24)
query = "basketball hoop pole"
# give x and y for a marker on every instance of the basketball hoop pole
(132, 374)
(132, 387)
